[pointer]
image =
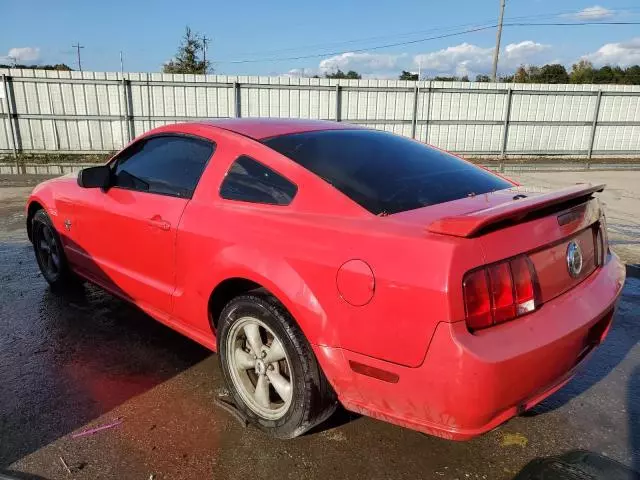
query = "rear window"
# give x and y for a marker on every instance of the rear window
(385, 173)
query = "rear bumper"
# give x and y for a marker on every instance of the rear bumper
(469, 383)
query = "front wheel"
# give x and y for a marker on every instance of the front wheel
(49, 253)
(270, 368)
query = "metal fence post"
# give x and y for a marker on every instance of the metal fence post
(128, 108)
(426, 113)
(594, 126)
(236, 99)
(9, 122)
(505, 128)
(129, 98)
(338, 103)
(414, 119)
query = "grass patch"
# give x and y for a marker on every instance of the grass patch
(54, 158)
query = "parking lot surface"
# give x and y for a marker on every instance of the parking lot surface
(73, 363)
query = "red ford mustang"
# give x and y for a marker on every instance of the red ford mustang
(328, 263)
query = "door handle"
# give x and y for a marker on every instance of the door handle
(158, 222)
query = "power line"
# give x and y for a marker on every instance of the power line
(77, 46)
(567, 24)
(431, 30)
(421, 40)
(378, 47)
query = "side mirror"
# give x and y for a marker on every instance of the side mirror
(95, 177)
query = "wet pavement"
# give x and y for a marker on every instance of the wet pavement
(75, 362)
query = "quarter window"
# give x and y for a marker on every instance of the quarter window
(166, 165)
(250, 181)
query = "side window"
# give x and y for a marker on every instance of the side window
(250, 181)
(167, 165)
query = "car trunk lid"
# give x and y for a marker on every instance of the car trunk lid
(519, 209)
(509, 223)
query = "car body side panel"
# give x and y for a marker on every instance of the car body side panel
(129, 238)
(296, 252)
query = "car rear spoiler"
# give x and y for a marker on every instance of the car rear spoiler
(471, 224)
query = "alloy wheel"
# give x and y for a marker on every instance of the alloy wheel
(260, 368)
(48, 251)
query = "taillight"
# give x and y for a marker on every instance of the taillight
(503, 305)
(522, 271)
(601, 242)
(499, 292)
(476, 300)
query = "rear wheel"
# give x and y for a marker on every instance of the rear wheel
(270, 368)
(49, 253)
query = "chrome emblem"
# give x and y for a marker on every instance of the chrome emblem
(67, 224)
(574, 259)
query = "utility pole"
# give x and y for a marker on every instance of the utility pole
(496, 53)
(77, 46)
(205, 40)
(121, 64)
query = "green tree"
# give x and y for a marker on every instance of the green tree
(483, 78)
(340, 74)
(582, 72)
(604, 75)
(554, 73)
(633, 75)
(408, 76)
(187, 60)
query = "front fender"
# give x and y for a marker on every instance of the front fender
(43, 197)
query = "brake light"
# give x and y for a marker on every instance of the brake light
(601, 242)
(499, 292)
(522, 271)
(477, 301)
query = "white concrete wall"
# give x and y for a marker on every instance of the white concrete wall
(98, 112)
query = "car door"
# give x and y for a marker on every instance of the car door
(132, 233)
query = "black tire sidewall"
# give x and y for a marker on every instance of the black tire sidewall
(293, 423)
(41, 218)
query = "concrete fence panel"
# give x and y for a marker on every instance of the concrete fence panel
(94, 112)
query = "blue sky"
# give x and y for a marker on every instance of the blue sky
(148, 33)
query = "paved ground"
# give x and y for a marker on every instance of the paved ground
(72, 363)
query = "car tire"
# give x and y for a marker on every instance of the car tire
(309, 399)
(50, 253)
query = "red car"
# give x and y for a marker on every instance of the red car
(329, 263)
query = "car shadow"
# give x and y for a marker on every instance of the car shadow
(68, 358)
(623, 336)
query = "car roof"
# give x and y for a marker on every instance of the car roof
(262, 128)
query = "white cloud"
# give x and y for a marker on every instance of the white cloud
(592, 14)
(469, 59)
(299, 72)
(23, 54)
(379, 65)
(463, 59)
(622, 53)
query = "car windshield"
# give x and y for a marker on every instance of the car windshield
(385, 173)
